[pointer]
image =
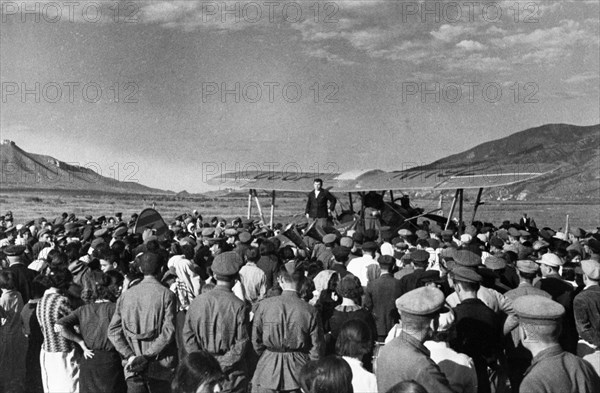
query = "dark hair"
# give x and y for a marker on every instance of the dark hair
(407, 387)
(252, 254)
(317, 180)
(59, 278)
(267, 247)
(286, 253)
(108, 255)
(188, 251)
(527, 276)
(7, 280)
(354, 340)
(196, 369)
(73, 251)
(306, 287)
(149, 263)
(350, 287)
(423, 243)
(330, 374)
(110, 284)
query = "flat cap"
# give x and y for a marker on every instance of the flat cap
(514, 232)
(524, 233)
(208, 231)
(401, 246)
(447, 232)
(449, 252)
(245, 237)
(419, 256)
(329, 238)
(537, 310)
(590, 267)
(465, 274)
(527, 266)
(421, 234)
(578, 232)
(370, 246)
(96, 242)
(497, 242)
(495, 263)
(550, 259)
(100, 232)
(433, 243)
(421, 301)
(227, 263)
(340, 253)
(404, 232)
(121, 231)
(14, 251)
(346, 241)
(467, 258)
(231, 232)
(43, 232)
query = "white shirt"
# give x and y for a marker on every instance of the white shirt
(358, 267)
(458, 367)
(362, 380)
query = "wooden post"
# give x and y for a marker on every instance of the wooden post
(451, 213)
(477, 203)
(350, 202)
(260, 213)
(460, 212)
(272, 208)
(249, 204)
(391, 197)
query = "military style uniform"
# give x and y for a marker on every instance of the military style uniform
(286, 334)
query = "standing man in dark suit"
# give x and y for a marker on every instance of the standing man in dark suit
(586, 305)
(316, 206)
(381, 295)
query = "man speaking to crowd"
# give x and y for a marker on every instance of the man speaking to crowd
(316, 206)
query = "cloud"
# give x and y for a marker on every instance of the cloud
(581, 78)
(469, 45)
(322, 53)
(449, 33)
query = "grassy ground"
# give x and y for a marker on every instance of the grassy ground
(30, 205)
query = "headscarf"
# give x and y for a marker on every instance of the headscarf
(187, 285)
(321, 283)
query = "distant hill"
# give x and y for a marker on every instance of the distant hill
(574, 149)
(28, 171)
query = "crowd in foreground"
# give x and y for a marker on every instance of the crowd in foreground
(89, 306)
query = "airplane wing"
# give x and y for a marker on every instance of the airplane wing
(423, 178)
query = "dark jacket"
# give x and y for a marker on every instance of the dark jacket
(554, 370)
(586, 307)
(316, 207)
(563, 293)
(405, 358)
(380, 299)
(286, 334)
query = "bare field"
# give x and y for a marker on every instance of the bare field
(30, 205)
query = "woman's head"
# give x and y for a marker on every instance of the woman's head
(354, 340)
(330, 374)
(350, 288)
(111, 285)
(198, 372)
(7, 280)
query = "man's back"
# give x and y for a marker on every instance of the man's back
(586, 307)
(554, 370)
(215, 322)
(358, 267)
(380, 298)
(286, 334)
(404, 358)
(144, 324)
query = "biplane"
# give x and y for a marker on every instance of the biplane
(372, 186)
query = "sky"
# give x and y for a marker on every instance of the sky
(170, 93)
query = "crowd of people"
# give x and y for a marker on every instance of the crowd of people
(88, 305)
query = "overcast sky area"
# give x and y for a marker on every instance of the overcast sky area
(177, 87)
